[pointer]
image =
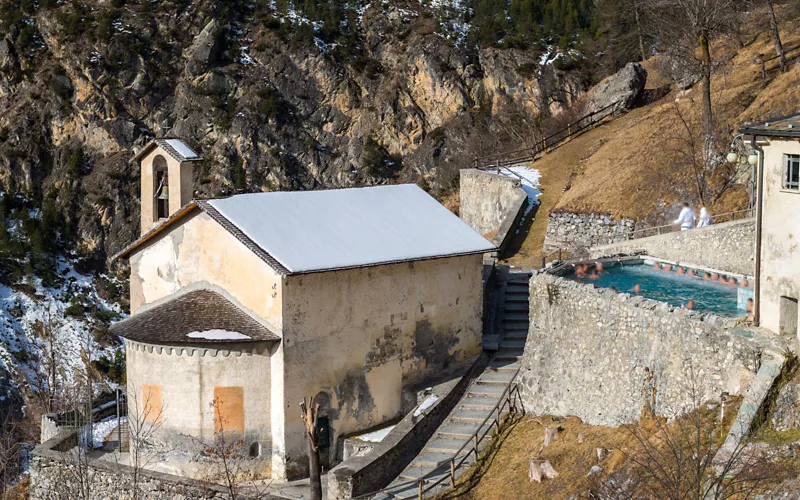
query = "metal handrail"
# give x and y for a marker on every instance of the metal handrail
(526, 154)
(505, 399)
(550, 255)
(670, 228)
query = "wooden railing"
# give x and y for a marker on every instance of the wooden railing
(667, 228)
(524, 155)
(509, 398)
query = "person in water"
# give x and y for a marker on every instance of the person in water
(686, 218)
(705, 218)
(637, 289)
(690, 304)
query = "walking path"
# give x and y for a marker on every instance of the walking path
(433, 462)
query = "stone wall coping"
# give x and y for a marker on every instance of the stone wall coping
(656, 237)
(55, 448)
(377, 468)
(474, 171)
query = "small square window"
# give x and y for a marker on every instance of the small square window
(791, 172)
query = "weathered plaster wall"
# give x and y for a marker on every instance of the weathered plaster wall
(361, 335)
(180, 186)
(189, 378)
(728, 246)
(603, 356)
(201, 251)
(570, 231)
(487, 200)
(780, 268)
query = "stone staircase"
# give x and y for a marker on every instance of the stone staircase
(433, 462)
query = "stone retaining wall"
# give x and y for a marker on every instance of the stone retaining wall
(603, 356)
(571, 231)
(57, 473)
(491, 204)
(728, 246)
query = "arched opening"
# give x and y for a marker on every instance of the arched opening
(160, 188)
(255, 449)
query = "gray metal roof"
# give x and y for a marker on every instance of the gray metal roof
(785, 126)
(309, 231)
(174, 147)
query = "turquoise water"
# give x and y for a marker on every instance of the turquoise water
(669, 287)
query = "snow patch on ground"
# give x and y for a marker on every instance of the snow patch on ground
(217, 335)
(375, 436)
(102, 429)
(530, 178)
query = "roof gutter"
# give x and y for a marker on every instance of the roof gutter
(759, 212)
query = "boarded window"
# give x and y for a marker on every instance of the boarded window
(152, 404)
(229, 409)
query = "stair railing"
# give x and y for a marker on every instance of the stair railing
(510, 398)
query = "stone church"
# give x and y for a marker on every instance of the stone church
(243, 306)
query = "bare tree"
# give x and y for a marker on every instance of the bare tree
(776, 36)
(10, 450)
(686, 28)
(144, 420)
(309, 412)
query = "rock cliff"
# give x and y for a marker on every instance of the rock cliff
(267, 101)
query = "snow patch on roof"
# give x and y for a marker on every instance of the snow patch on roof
(182, 149)
(217, 335)
(341, 228)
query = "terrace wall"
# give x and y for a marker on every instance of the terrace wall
(572, 231)
(728, 246)
(604, 356)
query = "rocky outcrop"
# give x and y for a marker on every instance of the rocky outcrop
(622, 88)
(786, 414)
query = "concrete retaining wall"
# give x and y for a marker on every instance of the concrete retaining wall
(491, 204)
(376, 469)
(56, 473)
(728, 246)
(571, 231)
(603, 356)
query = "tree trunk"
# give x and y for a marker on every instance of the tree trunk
(639, 29)
(776, 36)
(708, 119)
(309, 414)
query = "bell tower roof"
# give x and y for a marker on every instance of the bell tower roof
(176, 148)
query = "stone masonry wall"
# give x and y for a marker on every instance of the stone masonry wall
(728, 246)
(56, 473)
(571, 231)
(603, 356)
(487, 199)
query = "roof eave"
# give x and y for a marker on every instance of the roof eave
(770, 133)
(125, 252)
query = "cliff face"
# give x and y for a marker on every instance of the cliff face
(269, 109)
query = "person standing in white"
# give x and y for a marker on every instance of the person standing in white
(705, 218)
(686, 218)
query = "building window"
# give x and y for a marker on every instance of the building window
(255, 449)
(787, 316)
(160, 188)
(791, 172)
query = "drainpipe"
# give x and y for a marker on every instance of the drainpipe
(759, 210)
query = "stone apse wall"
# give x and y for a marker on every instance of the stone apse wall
(604, 356)
(487, 200)
(570, 231)
(728, 246)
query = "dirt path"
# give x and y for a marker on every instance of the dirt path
(556, 167)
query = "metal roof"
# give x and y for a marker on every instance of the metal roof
(785, 126)
(174, 147)
(309, 231)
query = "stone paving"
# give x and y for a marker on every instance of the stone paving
(433, 462)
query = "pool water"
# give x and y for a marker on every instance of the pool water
(669, 287)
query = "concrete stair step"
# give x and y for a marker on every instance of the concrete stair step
(431, 458)
(459, 429)
(480, 389)
(508, 343)
(504, 354)
(467, 415)
(444, 444)
(516, 306)
(479, 403)
(516, 316)
(516, 335)
(518, 284)
(505, 365)
(497, 377)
